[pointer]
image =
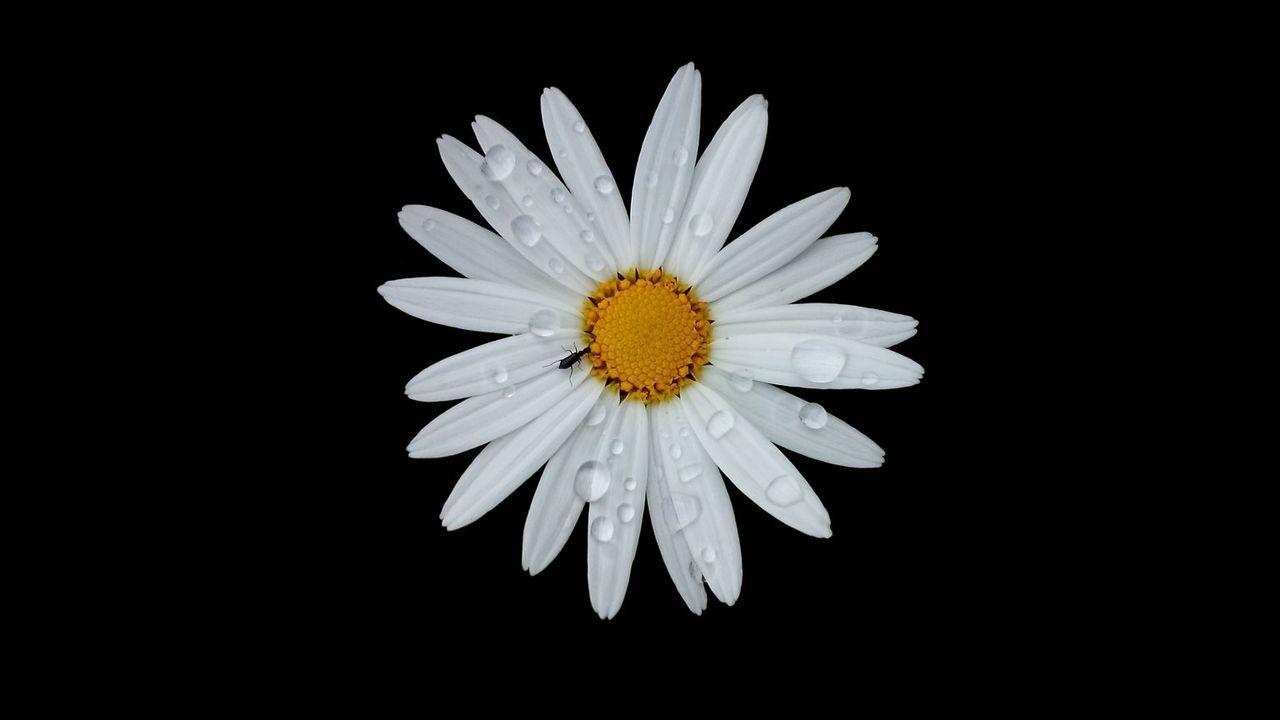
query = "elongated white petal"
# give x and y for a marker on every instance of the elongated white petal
(674, 548)
(816, 361)
(508, 215)
(614, 519)
(772, 243)
(480, 305)
(822, 264)
(584, 170)
(873, 327)
(560, 215)
(492, 366)
(474, 251)
(754, 465)
(477, 420)
(665, 167)
(695, 503)
(720, 183)
(793, 423)
(504, 464)
(557, 503)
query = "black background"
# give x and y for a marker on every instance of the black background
(931, 546)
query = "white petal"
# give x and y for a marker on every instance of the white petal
(754, 465)
(508, 461)
(692, 482)
(815, 361)
(492, 366)
(556, 503)
(665, 167)
(873, 327)
(772, 243)
(614, 519)
(507, 215)
(674, 549)
(720, 183)
(477, 420)
(780, 416)
(560, 215)
(824, 263)
(474, 251)
(585, 172)
(480, 305)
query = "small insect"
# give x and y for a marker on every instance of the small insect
(570, 361)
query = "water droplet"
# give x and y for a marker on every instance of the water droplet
(527, 201)
(587, 236)
(579, 127)
(689, 472)
(526, 230)
(592, 480)
(626, 512)
(563, 153)
(684, 431)
(498, 163)
(784, 490)
(595, 261)
(651, 180)
(676, 451)
(568, 208)
(596, 416)
(693, 572)
(817, 361)
(680, 510)
(666, 435)
(499, 375)
(544, 323)
(602, 529)
(837, 318)
(708, 555)
(492, 202)
(428, 225)
(557, 195)
(534, 167)
(617, 447)
(813, 415)
(870, 378)
(669, 216)
(630, 484)
(508, 392)
(556, 265)
(591, 217)
(741, 380)
(604, 184)
(720, 423)
(680, 156)
(700, 224)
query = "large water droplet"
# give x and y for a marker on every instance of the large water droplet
(498, 163)
(499, 375)
(579, 127)
(708, 555)
(741, 380)
(558, 195)
(626, 512)
(651, 179)
(591, 481)
(676, 451)
(602, 529)
(595, 261)
(534, 167)
(700, 224)
(870, 378)
(720, 423)
(689, 472)
(428, 225)
(587, 236)
(596, 416)
(617, 446)
(680, 156)
(527, 201)
(669, 216)
(630, 484)
(544, 323)
(813, 415)
(604, 184)
(817, 361)
(526, 230)
(784, 490)
(556, 265)
(680, 510)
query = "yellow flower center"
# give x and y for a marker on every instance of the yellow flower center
(647, 333)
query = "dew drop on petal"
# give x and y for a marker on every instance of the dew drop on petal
(492, 202)
(837, 319)
(557, 195)
(680, 156)
(568, 208)
(544, 323)
(651, 179)
(630, 484)
(556, 265)
(604, 184)
(684, 431)
(708, 555)
(428, 225)
(617, 447)
(720, 423)
(742, 380)
(499, 375)
(595, 261)
(579, 127)
(817, 361)
(870, 378)
(587, 236)
(676, 451)
(591, 217)
(526, 230)
(680, 510)
(498, 163)
(813, 416)
(669, 216)
(602, 529)
(596, 416)
(527, 201)
(689, 472)
(508, 392)
(700, 224)
(591, 481)
(784, 490)
(626, 512)
(534, 167)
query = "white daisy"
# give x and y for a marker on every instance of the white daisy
(683, 341)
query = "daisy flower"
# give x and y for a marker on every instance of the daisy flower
(644, 354)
